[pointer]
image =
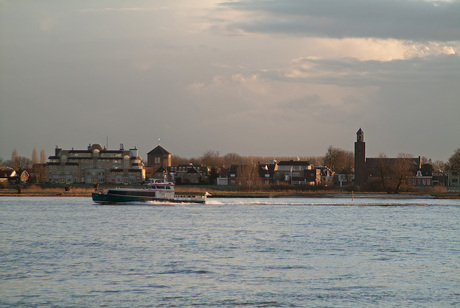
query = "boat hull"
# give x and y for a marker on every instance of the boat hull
(104, 198)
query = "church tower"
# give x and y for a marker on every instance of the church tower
(360, 158)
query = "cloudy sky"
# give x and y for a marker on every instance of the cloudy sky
(254, 77)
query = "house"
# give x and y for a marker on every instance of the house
(11, 176)
(243, 174)
(440, 178)
(160, 173)
(95, 165)
(344, 177)
(297, 172)
(233, 175)
(192, 176)
(267, 171)
(22, 176)
(424, 176)
(190, 173)
(7, 176)
(223, 176)
(326, 175)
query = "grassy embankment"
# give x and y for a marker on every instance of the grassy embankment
(218, 192)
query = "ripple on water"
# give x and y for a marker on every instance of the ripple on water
(66, 252)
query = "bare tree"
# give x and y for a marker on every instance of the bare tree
(383, 169)
(248, 175)
(401, 170)
(24, 162)
(177, 160)
(232, 159)
(15, 160)
(42, 157)
(317, 160)
(454, 160)
(338, 159)
(34, 157)
(211, 158)
(439, 165)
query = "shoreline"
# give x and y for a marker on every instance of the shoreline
(86, 193)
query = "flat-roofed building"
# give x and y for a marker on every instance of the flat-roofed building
(95, 165)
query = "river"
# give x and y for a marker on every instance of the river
(230, 252)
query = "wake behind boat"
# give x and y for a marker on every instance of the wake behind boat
(157, 190)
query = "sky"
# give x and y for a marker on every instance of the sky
(252, 77)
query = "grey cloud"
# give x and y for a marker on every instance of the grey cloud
(400, 19)
(356, 73)
(307, 102)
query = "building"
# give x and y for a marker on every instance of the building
(190, 174)
(38, 173)
(267, 171)
(11, 176)
(7, 176)
(297, 172)
(223, 176)
(326, 175)
(344, 177)
(454, 179)
(368, 168)
(424, 176)
(95, 165)
(159, 157)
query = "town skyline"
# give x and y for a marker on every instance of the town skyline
(256, 78)
(219, 154)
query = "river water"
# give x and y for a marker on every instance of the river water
(287, 252)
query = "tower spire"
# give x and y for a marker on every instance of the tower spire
(360, 135)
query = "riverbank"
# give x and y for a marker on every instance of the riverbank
(36, 191)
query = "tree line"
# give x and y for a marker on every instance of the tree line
(18, 162)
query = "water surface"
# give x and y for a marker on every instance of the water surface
(287, 252)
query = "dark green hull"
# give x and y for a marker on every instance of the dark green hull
(104, 198)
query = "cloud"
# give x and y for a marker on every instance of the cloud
(356, 73)
(399, 19)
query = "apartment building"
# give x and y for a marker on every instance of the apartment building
(94, 165)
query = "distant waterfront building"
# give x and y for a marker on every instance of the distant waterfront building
(95, 165)
(190, 173)
(158, 163)
(368, 168)
(297, 172)
(454, 179)
(159, 157)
